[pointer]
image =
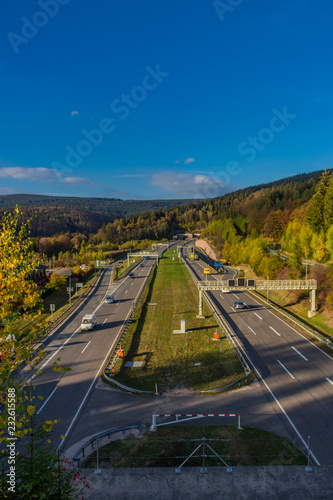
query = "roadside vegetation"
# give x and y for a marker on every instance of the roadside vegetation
(191, 361)
(39, 471)
(170, 445)
(56, 293)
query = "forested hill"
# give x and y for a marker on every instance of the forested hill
(57, 214)
(262, 210)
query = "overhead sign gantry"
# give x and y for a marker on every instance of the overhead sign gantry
(242, 284)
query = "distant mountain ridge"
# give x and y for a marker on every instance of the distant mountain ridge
(110, 206)
(61, 213)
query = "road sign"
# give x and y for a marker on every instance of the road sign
(206, 270)
(69, 289)
(52, 309)
(240, 281)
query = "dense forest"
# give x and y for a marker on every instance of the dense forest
(293, 216)
(56, 214)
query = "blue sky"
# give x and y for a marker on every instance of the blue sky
(167, 99)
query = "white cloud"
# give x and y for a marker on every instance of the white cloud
(186, 185)
(189, 160)
(33, 174)
(39, 174)
(131, 175)
(77, 180)
(73, 113)
(7, 190)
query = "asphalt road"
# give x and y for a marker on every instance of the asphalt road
(66, 393)
(295, 374)
(293, 399)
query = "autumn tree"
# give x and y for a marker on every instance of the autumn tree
(20, 295)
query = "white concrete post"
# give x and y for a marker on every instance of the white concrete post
(313, 300)
(200, 303)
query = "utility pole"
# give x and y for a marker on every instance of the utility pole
(306, 266)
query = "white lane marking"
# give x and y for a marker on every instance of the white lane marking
(118, 302)
(233, 309)
(40, 409)
(302, 356)
(236, 296)
(285, 369)
(252, 331)
(86, 347)
(221, 296)
(132, 284)
(126, 291)
(98, 372)
(255, 369)
(54, 354)
(69, 338)
(258, 315)
(296, 331)
(329, 380)
(277, 333)
(104, 321)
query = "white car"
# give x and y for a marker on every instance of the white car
(88, 322)
(109, 299)
(225, 290)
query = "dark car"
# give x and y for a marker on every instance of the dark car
(131, 274)
(239, 305)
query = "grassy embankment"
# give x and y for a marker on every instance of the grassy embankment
(175, 361)
(61, 300)
(122, 268)
(157, 449)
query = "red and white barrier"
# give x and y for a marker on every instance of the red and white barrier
(189, 416)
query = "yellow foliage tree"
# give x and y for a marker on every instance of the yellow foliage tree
(19, 298)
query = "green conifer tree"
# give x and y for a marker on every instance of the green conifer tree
(315, 215)
(328, 204)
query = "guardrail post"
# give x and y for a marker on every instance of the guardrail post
(153, 425)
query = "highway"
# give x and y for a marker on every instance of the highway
(66, 393)
(294, 398)
(295, 374)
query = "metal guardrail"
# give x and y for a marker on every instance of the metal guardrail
(70, 309)
(91, 441)
(125, 387)
(227, 329)
(115, 356)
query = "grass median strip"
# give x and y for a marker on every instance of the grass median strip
(169, 446)
(190, 361)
